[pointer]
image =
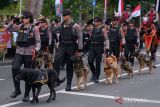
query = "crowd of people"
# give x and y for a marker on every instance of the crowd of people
(117, 36)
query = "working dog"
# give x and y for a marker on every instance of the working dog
(81, 71)
(143, 59)
(48, 59)
(126, 67)
(38, 77)
(111, 69)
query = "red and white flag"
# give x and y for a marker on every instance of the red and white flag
(136, 12)
(58, 2)
(120, 7)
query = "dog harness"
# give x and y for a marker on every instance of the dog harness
(42, 77)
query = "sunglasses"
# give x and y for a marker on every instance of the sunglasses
(97, 21)
(25, 17)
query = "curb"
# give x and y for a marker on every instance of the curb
(7, 62)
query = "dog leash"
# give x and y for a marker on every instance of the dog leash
(33, 57)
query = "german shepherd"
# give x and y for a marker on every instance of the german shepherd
(143, 59)
(126, 67)
(81, 71)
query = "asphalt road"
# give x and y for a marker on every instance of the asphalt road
(140, 91)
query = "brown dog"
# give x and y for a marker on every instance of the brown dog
(111, 69)
(126, 67)
(48, 60)
(81, 72)
(143, 59)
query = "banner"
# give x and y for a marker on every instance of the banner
(5, 39)
(58, 7)
(94, 3)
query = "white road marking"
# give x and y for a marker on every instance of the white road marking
(2, 79)
(63, 91)
(125, 99)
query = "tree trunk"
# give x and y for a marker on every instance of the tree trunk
(34, 6)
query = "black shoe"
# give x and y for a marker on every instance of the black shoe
(96, 81)
(68, 88)
(92, 78)
(25, 99)
(15, 94)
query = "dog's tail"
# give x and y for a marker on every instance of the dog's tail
(114, 58)
(61, 80)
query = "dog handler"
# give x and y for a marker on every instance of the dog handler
(96, 50)
(27, 40)
(70, 41)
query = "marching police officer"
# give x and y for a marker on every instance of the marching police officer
(97, 40)
(86, 38)
(114, 36)
(27, 40)
(70, 40)
(131, 41)
(45, 34)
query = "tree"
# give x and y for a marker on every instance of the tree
(34, 6)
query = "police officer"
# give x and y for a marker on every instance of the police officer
(131, 41)
(114, 35)
(86, 38)
(97, 40)
(45, 34)
(70, 36)
(28, 39)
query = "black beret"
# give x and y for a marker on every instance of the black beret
(27, 14)
(99, 19)
(66, 12)
(43, 20)
(90, 22)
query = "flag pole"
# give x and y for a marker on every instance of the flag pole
(105, 9)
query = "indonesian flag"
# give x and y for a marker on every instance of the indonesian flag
(120, 7)
(136, 12)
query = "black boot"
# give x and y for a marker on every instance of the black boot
(15, 94)
(25, 99)
(68, 88)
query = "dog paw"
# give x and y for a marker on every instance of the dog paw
(77, 89)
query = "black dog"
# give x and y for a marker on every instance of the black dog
(36, 78)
